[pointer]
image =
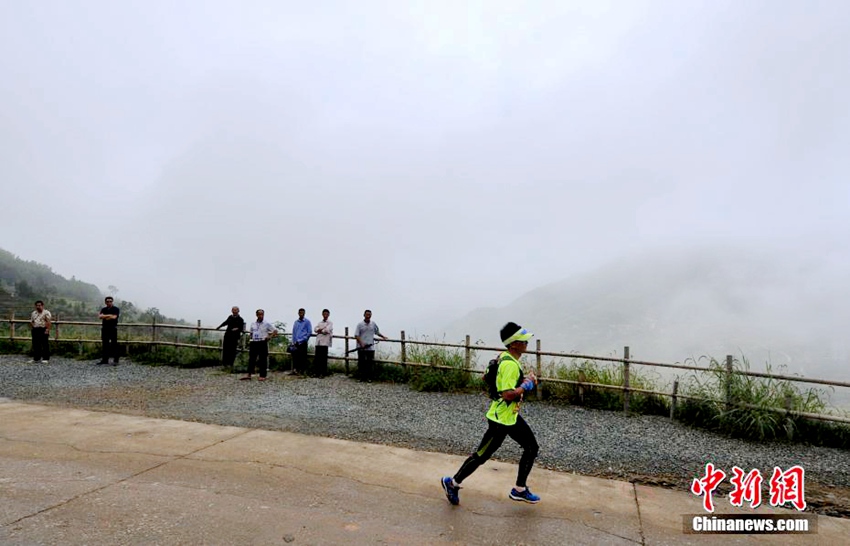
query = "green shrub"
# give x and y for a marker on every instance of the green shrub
(80, 351)
(822, 433)
(8, 347)
(424, 379)
(754, 401)
(166, 355)
(67, 349)
(391, 373)
(277, 363)
(607, 373)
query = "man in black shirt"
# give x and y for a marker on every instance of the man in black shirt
(235, 327)
(109, 332)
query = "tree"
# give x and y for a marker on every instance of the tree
(23, 290)
(150, 314)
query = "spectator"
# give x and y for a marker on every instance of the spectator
(301, 332)
(40, 322)
(235, 327)
(109, 332)
(503, 419)
(365, 334)
(258, 351)
(324, 340)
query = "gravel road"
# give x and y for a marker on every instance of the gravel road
(646, 449)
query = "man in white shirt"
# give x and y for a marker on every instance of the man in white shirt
(324, 339)
(40, 321)
(258, 350)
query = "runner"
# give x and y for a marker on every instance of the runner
(503, 419)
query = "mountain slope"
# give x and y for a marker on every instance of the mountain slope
(22, 282)
(670, 305)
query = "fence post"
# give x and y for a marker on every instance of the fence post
(347, 359)
(55, 330)
(539, 372)
(403, 348)
(582, 378)
(728, 382)
(153, 334)
(674, 399)
(199, 333)
(12, 326)
(626, 394)
(789, 423)
(467, 354)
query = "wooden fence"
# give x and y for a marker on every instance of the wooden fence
(202, 343)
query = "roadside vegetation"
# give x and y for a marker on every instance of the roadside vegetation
(606, 373)
(446, 369)
(137, 347)
(752, 414)
(761, 397)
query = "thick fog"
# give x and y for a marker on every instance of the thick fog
(421, 159)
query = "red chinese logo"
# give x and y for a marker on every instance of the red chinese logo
(788, 486)
(707, 485)
(746, 487)
(785, 487)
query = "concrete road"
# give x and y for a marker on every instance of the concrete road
(71, 477)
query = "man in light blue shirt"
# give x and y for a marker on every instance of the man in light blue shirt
(301, 332)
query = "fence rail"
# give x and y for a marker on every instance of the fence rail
(468, 348)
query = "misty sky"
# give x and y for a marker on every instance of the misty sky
(417, 158)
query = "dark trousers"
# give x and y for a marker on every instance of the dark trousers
(365, 364)
(109, 339)
(496, 433)
(258, 355)
(299, 358)
(228, 351)
(40, 344)
(320, 361)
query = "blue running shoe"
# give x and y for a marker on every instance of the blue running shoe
(451, 490)
(525, 496)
